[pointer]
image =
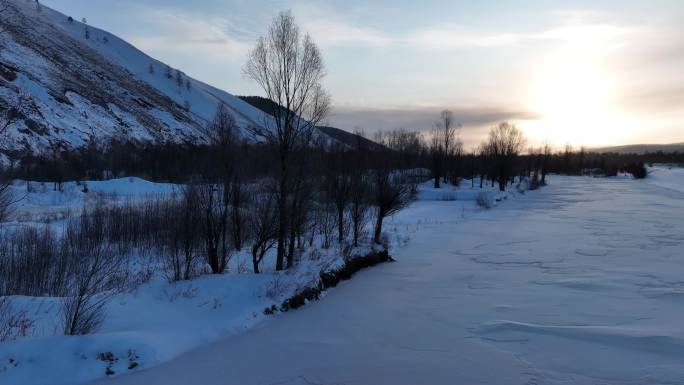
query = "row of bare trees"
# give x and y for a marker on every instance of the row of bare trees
(441, 151)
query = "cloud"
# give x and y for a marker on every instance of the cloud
(191, 34)
(454, 36)
(655, 99)
(475, 120)
(330, 33)
(329, 30)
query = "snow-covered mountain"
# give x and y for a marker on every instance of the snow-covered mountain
(64, 83)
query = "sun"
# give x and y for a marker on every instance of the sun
(574, 95)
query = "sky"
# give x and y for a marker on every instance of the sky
(589, 73)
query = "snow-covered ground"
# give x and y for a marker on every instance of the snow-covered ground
(670, 177)
(578, 283)
(40, 202)
(158, 321)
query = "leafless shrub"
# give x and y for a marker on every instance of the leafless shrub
(242, 266)
(92, 272)
(325, 222)
(484, 201)
(13, 322)
(276, 288)
(181, 290)
(30, 262)
(7, 199)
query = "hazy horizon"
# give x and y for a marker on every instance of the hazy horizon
(584, 74)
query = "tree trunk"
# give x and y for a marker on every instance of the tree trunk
(212, 256)
(503, 181)
(291, 247)
(378, 227)
(340, 225)
(255, 260)
(356, 235)
(237, 228)
(282, 224)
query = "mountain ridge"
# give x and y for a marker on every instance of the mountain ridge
(347, 138)
(64, 83)
(640, 148)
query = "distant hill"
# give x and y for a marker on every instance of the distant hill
(348, 138)
(641, 148)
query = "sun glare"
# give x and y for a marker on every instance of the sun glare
(574, 95)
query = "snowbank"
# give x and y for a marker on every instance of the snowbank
(670, 177)
(39, 202)
(157, 321)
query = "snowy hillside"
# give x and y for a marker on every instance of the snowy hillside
(64, 82)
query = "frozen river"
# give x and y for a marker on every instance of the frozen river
(581, 282)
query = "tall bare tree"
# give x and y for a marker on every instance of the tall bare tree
(289, 68)
(444, 145)
(505, 143)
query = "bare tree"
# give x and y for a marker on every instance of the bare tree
(325, 222)
(179, 78)
(289, 69)
(92, 268)
(568, 152)
(359, 192)
(336, 188)
(546, 156)
(86, 30)
(181, 243)
(407, 144)
(13, 321)
(263, 226)
(390, 195)
(222, 134)
(444, 145)
(239, 199)
(215, 229)
(300, 202)
(359, 188)
(504, 144)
